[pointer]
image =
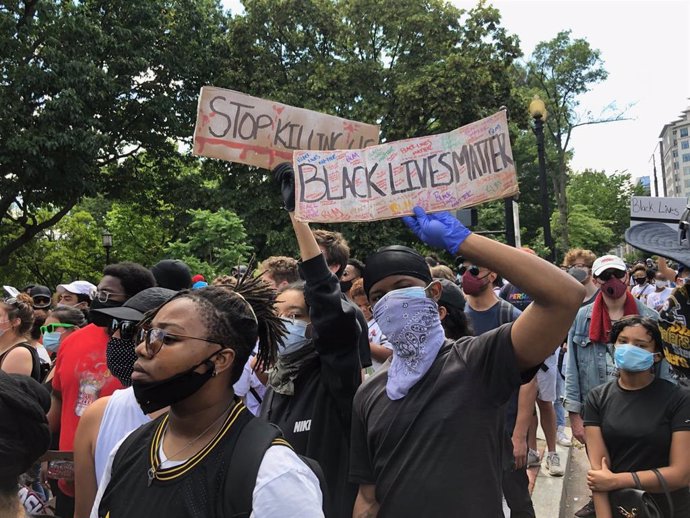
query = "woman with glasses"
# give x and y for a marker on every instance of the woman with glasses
(314, 381)
(637, 425)
(190, 352)
(17, 355)
(111, 418)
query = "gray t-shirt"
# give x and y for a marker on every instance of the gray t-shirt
(437, 452)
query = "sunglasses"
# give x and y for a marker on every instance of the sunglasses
(41, 302)
(473, 269)
(155, 338)
(51, 328)
(127, 328)
(606, 275)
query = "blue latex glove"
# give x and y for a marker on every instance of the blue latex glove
(440, 230)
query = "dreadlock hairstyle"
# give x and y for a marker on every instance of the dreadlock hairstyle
(235, 316)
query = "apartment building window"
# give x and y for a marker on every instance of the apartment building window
(675, 154)
(685, 144)
(686, 170)
(687, 184)
(683, 132)
(686, 157)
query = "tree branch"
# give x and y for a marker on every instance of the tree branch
(30, 232)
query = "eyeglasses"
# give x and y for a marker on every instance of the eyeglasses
(154, 338)
(51, 328)
(128, 328)
(103, 295)
(473, 269)
(606, 275)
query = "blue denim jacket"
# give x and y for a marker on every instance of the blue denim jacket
(590, 364)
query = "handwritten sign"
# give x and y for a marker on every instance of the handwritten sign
(662, 210)
(462, 168)
(240, 128)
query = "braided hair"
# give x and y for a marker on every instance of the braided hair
(235, 316)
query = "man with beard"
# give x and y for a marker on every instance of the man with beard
(81, 374)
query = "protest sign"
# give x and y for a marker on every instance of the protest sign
(465, 167)
(240, 128)
(663, 210)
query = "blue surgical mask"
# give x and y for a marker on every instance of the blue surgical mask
(632, 358)
(296, 337)
(51, 341)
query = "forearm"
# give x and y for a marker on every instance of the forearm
(526, 400)
(668, 273)
(308, 247)
(54, 412)
(543, 282)
(601, 504)
(365, 507)
(379, 352)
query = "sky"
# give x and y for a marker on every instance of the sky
(645, 46)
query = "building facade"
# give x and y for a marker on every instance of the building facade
(675, 156)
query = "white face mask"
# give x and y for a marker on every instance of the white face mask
(661, 284)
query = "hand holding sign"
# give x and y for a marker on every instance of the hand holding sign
(440, 230)
(285, 177)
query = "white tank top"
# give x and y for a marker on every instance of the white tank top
(122, 416)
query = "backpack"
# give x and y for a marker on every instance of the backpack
(505, 312)
(255, 438)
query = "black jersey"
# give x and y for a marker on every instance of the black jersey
(193, 489)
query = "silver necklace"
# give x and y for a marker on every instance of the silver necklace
(153, 470)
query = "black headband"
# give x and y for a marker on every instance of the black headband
(394, 260)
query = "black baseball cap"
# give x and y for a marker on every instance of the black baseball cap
(43, 294)
(135, 308)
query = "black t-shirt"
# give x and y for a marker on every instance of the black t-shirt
(437, 452)
(637, 426)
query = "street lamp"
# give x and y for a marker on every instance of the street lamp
(537, 110)
(107, 244)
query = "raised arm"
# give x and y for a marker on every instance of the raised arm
(556, 295)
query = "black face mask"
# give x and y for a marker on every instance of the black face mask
(345, 286)
(120, 357)
(154, 395)
(641, 281)
(99, 319)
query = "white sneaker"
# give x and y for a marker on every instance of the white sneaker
(553, 465)
(533, 458)
(562, 438)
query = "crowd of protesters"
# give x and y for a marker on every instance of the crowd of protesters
(330, 386)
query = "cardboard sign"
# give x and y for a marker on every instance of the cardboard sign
(663, 210)
(240, 128)
(462, 168)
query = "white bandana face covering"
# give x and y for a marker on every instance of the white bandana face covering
(412, 324)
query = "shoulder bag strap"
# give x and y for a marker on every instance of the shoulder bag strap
(255, 438)
(664, 486)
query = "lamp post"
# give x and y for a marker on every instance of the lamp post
(107, 244)
(537, 110)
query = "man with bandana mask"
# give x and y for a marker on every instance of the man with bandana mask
(111, 418)
(81, 374)
(427, 429)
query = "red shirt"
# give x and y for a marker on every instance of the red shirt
(81, 376)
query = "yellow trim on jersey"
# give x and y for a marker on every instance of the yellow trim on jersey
(279, 441)
(177, 471)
